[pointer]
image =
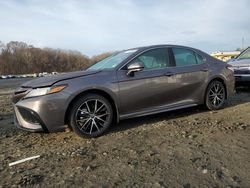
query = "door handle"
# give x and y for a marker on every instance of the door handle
(204, 70)
(169, 74)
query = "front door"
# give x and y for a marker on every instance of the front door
(149, 89)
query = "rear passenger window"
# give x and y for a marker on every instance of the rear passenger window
(199, 59)
(185, 57)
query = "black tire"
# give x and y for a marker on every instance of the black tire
(215, 95)
(91, 115)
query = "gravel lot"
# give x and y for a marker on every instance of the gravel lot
(185, 148)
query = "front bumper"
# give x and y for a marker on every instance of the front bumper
(29, 122)
(41, 114)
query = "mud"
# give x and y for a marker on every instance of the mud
(186, 148)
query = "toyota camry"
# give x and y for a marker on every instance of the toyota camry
(130, 83)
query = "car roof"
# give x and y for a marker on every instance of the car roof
(159, 46)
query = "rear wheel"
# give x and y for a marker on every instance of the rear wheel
(215, 95)
(91, 115)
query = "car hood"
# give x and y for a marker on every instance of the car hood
(50, 80)
(241, 63)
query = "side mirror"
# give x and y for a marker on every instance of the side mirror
(134, 67)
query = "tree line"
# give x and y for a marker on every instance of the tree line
(21, 58)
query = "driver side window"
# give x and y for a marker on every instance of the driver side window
(153, 59)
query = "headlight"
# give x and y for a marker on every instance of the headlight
(45, 91)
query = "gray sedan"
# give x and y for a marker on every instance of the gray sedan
(127, 84)
(241, 68)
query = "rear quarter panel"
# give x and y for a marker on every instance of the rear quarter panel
(218, 70)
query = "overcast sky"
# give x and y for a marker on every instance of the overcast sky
(93, 27)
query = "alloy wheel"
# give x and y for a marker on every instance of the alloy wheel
(92, 116)
(216, 94)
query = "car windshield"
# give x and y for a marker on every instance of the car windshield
(245, 54)
(112, 61)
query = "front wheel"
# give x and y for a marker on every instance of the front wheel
(215, 95)
(91, 115)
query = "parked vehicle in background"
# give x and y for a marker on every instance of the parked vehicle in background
(42, 74)
(32, 75)
(127, 84)
(54, 73)
(10, 76)
(241, 68)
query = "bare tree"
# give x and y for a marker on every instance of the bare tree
(19, 58)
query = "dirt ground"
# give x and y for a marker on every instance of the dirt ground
(185, 148)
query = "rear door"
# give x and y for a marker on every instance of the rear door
(191, 73)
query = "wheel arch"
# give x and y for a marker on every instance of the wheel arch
(94, 91)
(220, 79)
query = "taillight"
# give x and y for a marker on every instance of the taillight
(230, 67)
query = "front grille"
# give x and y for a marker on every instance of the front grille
(29, 115)
(241, 71)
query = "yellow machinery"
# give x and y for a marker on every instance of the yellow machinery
(225, 56)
